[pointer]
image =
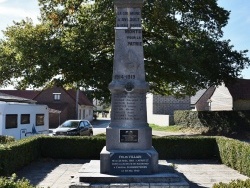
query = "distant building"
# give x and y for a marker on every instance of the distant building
(160, 109)
(221, 99)
(235, 96)
(200, 101)
(61, 103)
(102, 110)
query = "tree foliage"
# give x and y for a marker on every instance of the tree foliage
(74, 43)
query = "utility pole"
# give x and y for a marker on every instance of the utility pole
(77, 99)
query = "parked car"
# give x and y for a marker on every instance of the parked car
(74, 128)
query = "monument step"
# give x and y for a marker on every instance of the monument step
(89, 176)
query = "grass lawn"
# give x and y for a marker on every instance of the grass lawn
(179, 128)
(172, 128)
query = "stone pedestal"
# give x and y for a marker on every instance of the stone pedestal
(129, 162)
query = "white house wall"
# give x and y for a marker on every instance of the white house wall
(85, 112)
(161, 120)
(221, 99)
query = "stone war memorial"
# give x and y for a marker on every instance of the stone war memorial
(128, 159)
(128, 138)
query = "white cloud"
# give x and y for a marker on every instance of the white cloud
(17, 12)
(2, 1)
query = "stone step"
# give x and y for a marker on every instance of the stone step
(90, 176)
(181, 184)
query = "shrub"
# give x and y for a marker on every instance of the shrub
(13, 182)
(233, 184)
(218, 122)
(6, 139)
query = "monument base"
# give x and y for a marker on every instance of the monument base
(89, 176)
(129, 162)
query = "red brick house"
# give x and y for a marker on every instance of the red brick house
(62, 103)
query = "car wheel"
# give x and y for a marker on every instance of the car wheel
(91, 134)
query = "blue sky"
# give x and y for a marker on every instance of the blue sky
(238, 27)
(237, 30)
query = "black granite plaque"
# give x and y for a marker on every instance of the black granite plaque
(128, 135)
(130, 164)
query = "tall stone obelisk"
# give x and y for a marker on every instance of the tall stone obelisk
(128, 148)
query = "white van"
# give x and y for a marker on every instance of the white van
(22, 119)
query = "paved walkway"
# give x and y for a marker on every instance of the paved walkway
(59, 173)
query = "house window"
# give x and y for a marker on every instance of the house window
(11, 121)
(39, 119)
(25, 118)
(57, 96)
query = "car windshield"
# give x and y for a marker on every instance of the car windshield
(70, 124)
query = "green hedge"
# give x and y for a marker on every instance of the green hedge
(72, 147)
(221, 122)
(235, 154)
(186, 147)
(231, 152)
(17, 154)
(167, 147)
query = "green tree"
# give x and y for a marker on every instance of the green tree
(183, 48)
